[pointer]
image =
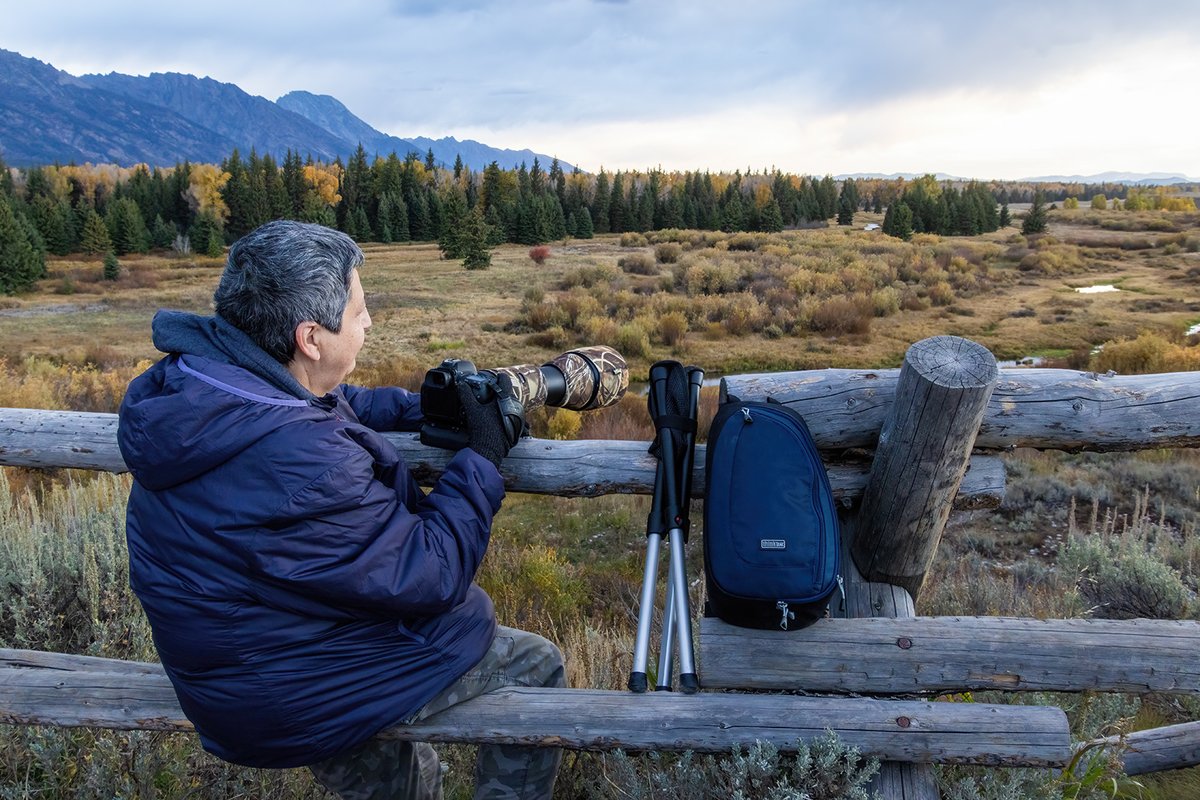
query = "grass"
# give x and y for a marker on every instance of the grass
(1075, 532)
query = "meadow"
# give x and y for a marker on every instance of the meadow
(1078, 534)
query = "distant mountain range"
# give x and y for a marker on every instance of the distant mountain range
(1142, 178)
(49, 116)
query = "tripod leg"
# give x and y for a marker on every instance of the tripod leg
(641, 647)
(689, 683)
(667, 648)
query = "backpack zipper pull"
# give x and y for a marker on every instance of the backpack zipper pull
(746, 415)
(842, 588)
(785, 615)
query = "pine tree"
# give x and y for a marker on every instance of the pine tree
(1035, 220)
(112, 267)
(94, 238)
(455, 215)
(771, 219)
(845, 213)
(458, 166)
(162, 234)
(583, 224)
(475, 235)
(22, 257)
(898, 221)
(1005, 218)
(126, 229)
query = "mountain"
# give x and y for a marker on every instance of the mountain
(252, 122)
(1145, 178)
(335, 118)
(48, 116)
(331, 116)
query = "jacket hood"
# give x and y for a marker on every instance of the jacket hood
(203, 403)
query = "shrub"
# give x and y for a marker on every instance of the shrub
(638, 264)
(885, 301)
(564, 424)
(672, 328)
(711, 277)
(822, 769)
(1149, 352)
(112, 267)
(539, 254)
(632, 239)
(667, 253)
(632, 341)
(940, 294)
(590, 276)
(843, 315)
(599, 330)
(1122, 579)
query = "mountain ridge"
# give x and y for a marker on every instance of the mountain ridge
(50, 116)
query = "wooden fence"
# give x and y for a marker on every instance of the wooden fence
(934, 427)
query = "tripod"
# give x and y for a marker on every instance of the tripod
(673, 401)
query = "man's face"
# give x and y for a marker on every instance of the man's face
(339, 350)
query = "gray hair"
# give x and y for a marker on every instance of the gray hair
(284, 273)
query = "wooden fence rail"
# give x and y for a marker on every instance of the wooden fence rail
(54, 689)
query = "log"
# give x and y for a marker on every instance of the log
(584, 468)
(1156, 749)
(1051, 409)
(940, 655)
(141, 698)
(922, 455)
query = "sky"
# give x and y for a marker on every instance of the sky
(990, 90)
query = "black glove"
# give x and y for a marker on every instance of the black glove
(495, 419)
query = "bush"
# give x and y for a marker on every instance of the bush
(112, 268)
(1122, 579)
(823, 769)
(667, 253)
(632, 341)
(1148, 353)
(539, 254)
(840, 315)
(638, 264)
(632, 239)
(672, 328)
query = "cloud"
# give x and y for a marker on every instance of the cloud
(572, 67)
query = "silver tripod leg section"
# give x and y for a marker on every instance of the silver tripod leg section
(665, 655)
(688, 681)
(641, 647)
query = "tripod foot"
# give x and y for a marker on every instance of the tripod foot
(689, 683)
(638, 682)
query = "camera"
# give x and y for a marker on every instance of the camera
(582, 379)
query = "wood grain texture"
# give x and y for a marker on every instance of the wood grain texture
(1053, 409)
(1158, 749)
(138, 696)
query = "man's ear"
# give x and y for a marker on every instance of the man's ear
(306, 341)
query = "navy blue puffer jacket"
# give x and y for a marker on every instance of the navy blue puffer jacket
(303, 592)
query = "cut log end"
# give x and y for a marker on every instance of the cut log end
(953, 362)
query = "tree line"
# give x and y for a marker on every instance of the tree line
(102, 209)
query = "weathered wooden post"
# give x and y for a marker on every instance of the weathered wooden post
(924, 448)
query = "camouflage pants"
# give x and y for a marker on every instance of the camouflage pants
(410, 770)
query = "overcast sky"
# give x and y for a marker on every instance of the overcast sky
(979, 89)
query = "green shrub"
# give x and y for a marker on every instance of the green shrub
(1122, 578)
(632, 341)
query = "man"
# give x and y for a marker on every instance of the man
(303, 592)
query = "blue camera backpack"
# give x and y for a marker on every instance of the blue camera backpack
(771, 535)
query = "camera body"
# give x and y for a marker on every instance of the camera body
(445, 425)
